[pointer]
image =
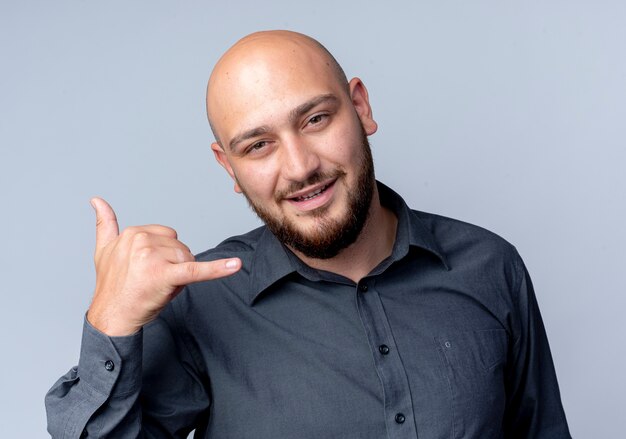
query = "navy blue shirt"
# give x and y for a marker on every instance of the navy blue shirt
(443, 339)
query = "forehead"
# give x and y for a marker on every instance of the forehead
(260, 85)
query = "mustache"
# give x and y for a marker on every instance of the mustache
(318, 177)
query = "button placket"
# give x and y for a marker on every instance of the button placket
(389, 367)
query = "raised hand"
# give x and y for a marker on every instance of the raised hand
(139, 271)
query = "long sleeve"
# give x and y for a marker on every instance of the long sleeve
(144, 385)
(534, 408)
(101, 393)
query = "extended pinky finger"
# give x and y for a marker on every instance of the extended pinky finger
(190, 272)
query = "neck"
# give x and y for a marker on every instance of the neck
(374, 244)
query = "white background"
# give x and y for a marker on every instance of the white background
(509, 115)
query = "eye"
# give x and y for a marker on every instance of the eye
(256, 147)
(317, 119)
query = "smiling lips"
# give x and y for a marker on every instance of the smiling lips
(314, 198)
(312, 194)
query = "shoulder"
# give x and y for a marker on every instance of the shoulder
(472, 250)
(454, 235)
(481, 264)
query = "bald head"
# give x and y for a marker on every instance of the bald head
(258, 65)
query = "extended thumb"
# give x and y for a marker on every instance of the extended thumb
(107, 228)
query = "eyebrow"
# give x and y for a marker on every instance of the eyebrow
(258, 131)
(294, 114)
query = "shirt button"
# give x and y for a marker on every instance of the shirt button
(400, 418)
(109, 365)
(363, 287)
(384, 349)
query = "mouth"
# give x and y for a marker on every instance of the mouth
(313, 197)
(310, 195)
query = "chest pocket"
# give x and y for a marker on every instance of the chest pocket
(474, 364)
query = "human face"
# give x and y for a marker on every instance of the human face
(293, 138)
(323, 178)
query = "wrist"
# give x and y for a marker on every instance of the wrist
(113, 327)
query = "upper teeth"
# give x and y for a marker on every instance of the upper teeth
(312, 194)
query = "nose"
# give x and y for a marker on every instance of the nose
(299, 160)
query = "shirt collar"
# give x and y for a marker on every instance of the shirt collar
(411, 231)
(273, 261)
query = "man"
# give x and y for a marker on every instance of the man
(347, 316)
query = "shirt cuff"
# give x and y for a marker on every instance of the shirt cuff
(110, 365)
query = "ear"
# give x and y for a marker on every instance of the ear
(222, 159)
(361, 102)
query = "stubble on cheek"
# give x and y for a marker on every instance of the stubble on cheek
(328, 236)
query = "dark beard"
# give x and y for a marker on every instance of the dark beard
(331, 236)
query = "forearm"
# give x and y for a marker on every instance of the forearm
(100, 395)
